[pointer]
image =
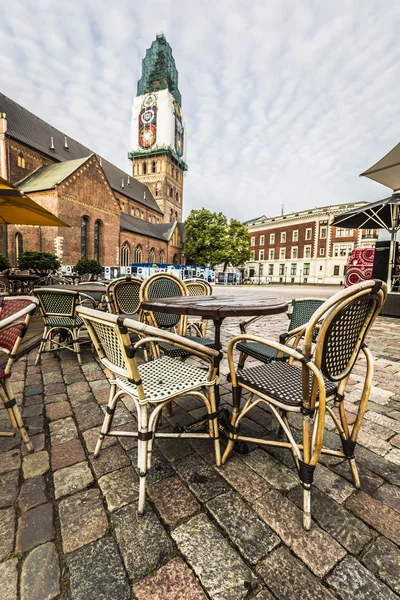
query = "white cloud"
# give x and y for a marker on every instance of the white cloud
(285, 102)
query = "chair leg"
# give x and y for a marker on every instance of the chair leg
(213, 425)
(15, 415)
(307, 507)
(142, 456)
(105, 428)
(242, 360)
(75, 340)
(237, 394)
(42, 345)
(347, 442)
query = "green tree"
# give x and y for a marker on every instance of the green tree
(206, 237)
(4, 262)
(238, 244)
(86, 265)
(211, 240)
(40, 262)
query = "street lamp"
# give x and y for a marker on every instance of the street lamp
(259, 273)
(301, 273)
(285, 274)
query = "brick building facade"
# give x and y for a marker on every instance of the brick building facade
(90, 194)
(302, 247)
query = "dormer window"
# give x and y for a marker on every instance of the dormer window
(21, 161)
(153, 166)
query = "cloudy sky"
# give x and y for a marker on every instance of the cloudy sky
(285, 102)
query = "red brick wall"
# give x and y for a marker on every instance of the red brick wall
(33, 160)
(289, 243)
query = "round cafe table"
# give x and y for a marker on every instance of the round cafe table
(217, 308)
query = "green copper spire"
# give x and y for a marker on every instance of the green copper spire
(158, 70)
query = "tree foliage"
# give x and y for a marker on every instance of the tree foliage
(211, 240)
(4, 262)
(40, 262)
(86, 265)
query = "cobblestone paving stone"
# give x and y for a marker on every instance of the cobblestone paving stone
(70, 521)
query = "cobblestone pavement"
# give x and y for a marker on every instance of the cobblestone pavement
(69, 527)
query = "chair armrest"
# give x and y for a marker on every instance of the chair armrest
(85, 298)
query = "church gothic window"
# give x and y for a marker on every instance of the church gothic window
(84, 236)
(97, 240)
(18, 246)
(171, 216)
(138, 254)
(152, 256)
(175, 260)
(21, 160)
(162, 259)
(125, 255)
(137, 212)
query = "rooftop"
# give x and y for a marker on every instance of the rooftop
(159, 71)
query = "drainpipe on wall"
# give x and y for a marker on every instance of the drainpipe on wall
(3, 159)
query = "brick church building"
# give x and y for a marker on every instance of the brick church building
(115, 217)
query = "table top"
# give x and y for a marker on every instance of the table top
(217, 307)
(84, 289)
(22, 277)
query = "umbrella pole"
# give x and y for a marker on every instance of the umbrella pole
(392, 251)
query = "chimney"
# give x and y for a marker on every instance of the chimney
(282, 209)
(100, 161)
(52, 144)
(129, 180)
(3, 123)
(66, 147)
(122, 184)
(144, 195)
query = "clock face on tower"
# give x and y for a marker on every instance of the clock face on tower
(148, 122)
(179, 130)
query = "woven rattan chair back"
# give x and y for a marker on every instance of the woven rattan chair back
(164, 285)
(126, 296)
(302, 311)
(57, 303)
(10, 306)
(98, 295)
(343, 326)
(197, 287)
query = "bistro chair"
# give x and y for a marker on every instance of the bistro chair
(126, 295)
(98, 295)
(301, 312)
(5, 285)
(198, 287)
(165, 285)
(151, 385)
(109, 295)
(15, 315)
(315, 384)
(58, 308)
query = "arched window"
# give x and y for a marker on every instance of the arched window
(138, 254)
(177, 196)
(153, 166)
(175, 260)
(162, 258)
(176, 216)
(144, 168)
(21, 160)
(97, 240)
(173, 172)
(137, 212)
(153, 219)
(171, 192)
(171, 216)
(18, 246)
(84, 236)
(157, 188)
(125, 255)
(152, 256)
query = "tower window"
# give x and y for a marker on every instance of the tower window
(21, 160)
(144, 169)
(152, 256)
(171, 192)
(84, 236)
(125, 255)
(157, 188)
(177, 197)
(162, 256)
(153, 166)
(138, 254)
(171, 216)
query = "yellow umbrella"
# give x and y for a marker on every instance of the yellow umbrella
(18, 209)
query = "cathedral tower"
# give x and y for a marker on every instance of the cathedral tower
(158, 133)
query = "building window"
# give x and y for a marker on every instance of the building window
(281, 269)
(270, 269)
(177, 197)
(162, 259)
(322, 233)
(252, 241)
(306, 269)
(307, 251)
(152, 256)
(18, 246)
(153, 166)
(344, 270)
(271, 254)
(171, 192)
(153, 219)
(171, 216)
(21, 160)
(84, 236)
(308, 233)
(138, 254)
(336, 270)
(282, 253)
(295, 252)
(293, 269)
(342, 232)
(175, 260)
(322, 251)
(271, 238)
(157, 188)
(144, 168)
(125, 255)
(97, 240)
(295, 235)
(262, 240)
(342, 249)
(173, 172)
(261, 255)
(320, 267)
(137, 212)
(283, 237)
